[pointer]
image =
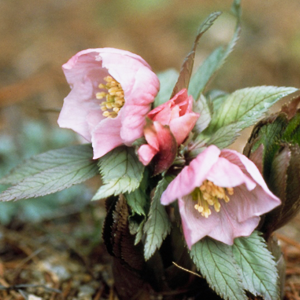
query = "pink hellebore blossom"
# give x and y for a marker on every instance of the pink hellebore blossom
(112, 92)
(178, 115)
(221, 194)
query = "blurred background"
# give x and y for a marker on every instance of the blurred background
(37, 37)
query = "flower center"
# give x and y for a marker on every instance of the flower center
(114, 97)
(209, 194)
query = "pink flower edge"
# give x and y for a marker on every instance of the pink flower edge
(81, 111)
(240, 216)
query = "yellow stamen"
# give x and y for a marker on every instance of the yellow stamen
(114, 97)
(209, 194)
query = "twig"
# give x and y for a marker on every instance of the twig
(189, 271)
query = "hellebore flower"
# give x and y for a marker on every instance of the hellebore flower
(161, 143)
(221, 194)
(112, 92)
(178, 115)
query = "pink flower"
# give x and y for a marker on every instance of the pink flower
(161, 143)
(112, 92)
(178, 115)
(221, 194)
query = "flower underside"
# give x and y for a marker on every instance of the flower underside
(114, 97)
(208, 194)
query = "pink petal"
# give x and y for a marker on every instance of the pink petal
(182, 126)
(230, 228)
(81, 111)
(133, 121)
(77, 106)
(167, 148)
(222, 226)
(249, 168)
(225, 174)
(161, 114)
(151, 136)
(191, 176)
(106, 136)
(146, 153)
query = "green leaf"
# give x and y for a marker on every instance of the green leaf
(158, 224)
(214, 61)
(137, 229)
(257, 266)
(292, 131)
(202, 107)
(248, 105)
(216, 263)
(223, 137)
(50, 177)
(188, 63)
(49, 160)
(240, 110)
(167, 81)
(137, 200)
(236, 8)
(121, 172)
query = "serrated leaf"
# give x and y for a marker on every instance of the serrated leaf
(158, 224)
(248, 105)
(240, 110)
(187, 66)
(48, 160)
(137, 200)
(137, 229)
(202, 107)
(292, 131)
(216, 263)
(167, 81)
(257, 266)
(223, 137)
(78, 168)
(215, 60)
(121, 172)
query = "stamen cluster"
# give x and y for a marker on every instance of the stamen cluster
(209, 194)
(114, 97)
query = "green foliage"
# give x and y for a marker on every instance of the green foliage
(158, 224)
(38, 178)
(274, 145)
(214, 61)
(188, 63)
(167, 81)
(216, 263)
(137, 200)
(240, 110)
(204, 110)
(33, 138)
(257, 266)
(121, 172)
(246, 265)
(64, 158)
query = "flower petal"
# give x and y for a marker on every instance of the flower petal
(225, 174)
(167, 148)
(222, 226)
(249, 168)
(77, 105)
(191, 176)
(106, 136)
(146, 153)
(182, 126)
(81, 111)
